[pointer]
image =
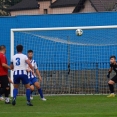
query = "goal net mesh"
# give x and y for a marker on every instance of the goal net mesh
(70, 64)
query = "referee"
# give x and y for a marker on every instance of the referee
(4, 83)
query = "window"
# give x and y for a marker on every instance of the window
(45, 11)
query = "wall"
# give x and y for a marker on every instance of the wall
(65, 20)
(5, 25)
(62, 10)
(45, 5)
(25, 12)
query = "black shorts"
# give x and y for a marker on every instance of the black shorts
(4, 82)
(114, 79)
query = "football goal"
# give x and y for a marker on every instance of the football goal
(69, 64)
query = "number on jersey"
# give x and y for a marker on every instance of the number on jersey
(17, 61)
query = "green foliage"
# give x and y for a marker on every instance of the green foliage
(4, 4)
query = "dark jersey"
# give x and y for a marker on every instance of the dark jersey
(114, 67)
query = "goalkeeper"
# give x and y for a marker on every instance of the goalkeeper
(113, 66)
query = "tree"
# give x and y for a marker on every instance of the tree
(4, 4)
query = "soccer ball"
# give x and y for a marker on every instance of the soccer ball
(79, 32)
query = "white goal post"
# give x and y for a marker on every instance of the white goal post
(13, 31)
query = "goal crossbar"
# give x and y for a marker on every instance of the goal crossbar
(64, 28)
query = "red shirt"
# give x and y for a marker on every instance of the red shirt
(3, 71)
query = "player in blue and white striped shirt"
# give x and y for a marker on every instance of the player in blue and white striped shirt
(19, 64)
(32, 77)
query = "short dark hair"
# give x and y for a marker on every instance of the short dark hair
(30, 51)
(19, 48)
(113, 57)
(2, 47)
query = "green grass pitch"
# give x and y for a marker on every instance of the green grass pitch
(62, 106)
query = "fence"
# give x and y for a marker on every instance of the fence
(74, 81)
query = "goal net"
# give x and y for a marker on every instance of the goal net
(69, 64)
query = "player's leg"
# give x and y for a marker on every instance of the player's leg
(16, 81)
(37, 85)
(32, 89)
(1, 92)
(7, 92)
(5, 87)
(15, 92)
(28, 92)
(111, 86)
(1, 97)
(25, 81)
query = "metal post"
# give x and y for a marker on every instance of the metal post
(97, 84)
(68, 53)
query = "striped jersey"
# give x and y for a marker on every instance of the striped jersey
(34, 64)
(19, 63)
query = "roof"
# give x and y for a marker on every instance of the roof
(25, 5)
(79, 6)
(43, 0)
(64, 3)
(99, 5)
(103, 5)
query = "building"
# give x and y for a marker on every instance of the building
(34, 7)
